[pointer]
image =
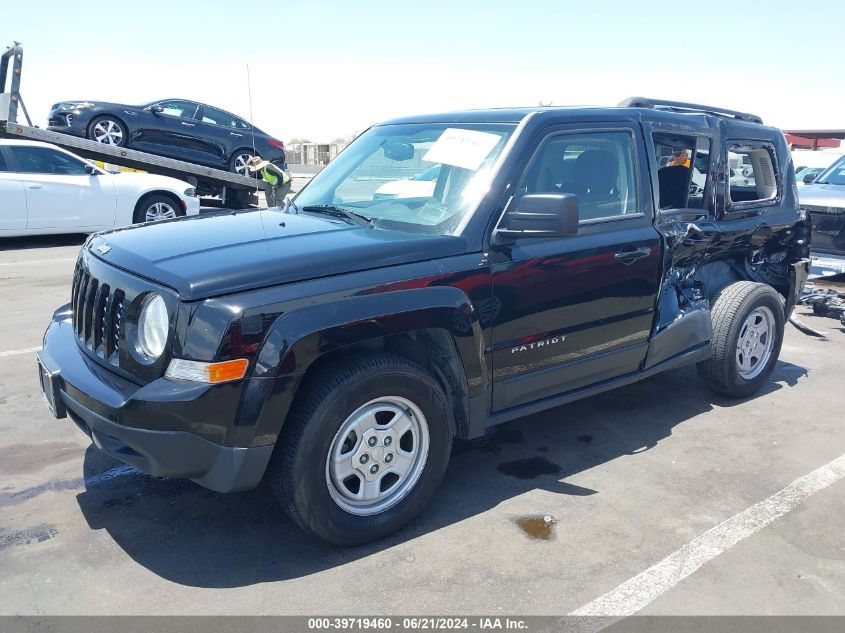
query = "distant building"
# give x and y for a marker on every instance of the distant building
(814, 139)
(312, 153)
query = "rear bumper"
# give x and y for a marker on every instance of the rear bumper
(100, 403)
(827, 264)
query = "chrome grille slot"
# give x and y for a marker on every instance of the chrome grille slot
(88, 313)
(81, 290)
(113, 329)
(101, 301)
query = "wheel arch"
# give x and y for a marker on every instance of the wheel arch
(441, 333)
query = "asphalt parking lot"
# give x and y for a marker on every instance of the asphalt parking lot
(641, 485)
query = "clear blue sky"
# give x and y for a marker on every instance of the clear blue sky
(330, 68)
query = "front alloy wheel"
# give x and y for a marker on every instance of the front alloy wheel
(154, 207)
(377, 455)
(159, 211)
(108, 132)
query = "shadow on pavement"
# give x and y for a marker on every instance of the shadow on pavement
(196, 537)
(34, 242)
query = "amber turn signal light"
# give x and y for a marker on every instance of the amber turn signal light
(212, 373)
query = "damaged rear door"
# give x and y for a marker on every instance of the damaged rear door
(685, 166)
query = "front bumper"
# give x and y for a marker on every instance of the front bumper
(68, 121)
(101, 403)
(192, 205)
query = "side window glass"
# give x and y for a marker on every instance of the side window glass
(700, 175)
(751, 174)
(597, 167)
(43, 160)
(218, 117)
(3, 166)
(179, 109)
(674, 155)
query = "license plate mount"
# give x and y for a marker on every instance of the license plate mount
(48, 377)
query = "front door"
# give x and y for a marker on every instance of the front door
(578, 310)
(13, 208)
(174, 132)
(60, 193)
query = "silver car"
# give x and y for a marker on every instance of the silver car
(824, 198)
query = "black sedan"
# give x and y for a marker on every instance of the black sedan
(176, 128)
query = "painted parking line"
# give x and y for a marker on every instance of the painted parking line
(39, 261)
(18, 352)
(635, 594)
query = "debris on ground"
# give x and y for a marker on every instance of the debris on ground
(826, 302)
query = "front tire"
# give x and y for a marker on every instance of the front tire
(154, 207)
(748, 323)
(109, 131)
(363, 450)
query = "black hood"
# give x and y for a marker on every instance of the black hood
(221, 253)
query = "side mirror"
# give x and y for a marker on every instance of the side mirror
(157, 109)
(91, 170)
(808, 178)
(539, 215)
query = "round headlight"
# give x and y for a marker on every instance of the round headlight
(153, 324)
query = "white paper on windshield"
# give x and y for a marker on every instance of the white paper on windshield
(462, 148)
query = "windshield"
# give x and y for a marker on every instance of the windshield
(833, 175)
(421, 177)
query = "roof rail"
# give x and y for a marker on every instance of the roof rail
(680, 106)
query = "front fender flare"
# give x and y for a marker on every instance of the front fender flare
(296, 339)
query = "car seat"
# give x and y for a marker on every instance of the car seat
(673, 186)
(596, 184)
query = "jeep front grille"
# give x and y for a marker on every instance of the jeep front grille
(97, 315)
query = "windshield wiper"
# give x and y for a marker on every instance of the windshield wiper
(339, 212)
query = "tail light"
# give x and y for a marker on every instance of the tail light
(276, 143)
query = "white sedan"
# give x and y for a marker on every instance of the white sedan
(45, 189)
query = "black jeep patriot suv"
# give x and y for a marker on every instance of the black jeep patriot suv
(338, 345)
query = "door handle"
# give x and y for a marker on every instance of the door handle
(233, 134)
(189, 124)
(34, 185)
(628, 257)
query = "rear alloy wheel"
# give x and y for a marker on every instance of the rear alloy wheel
(239, 163)
(748, 321)
(156, 207)
(108, 131)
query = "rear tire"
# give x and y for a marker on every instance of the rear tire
(108, 130)
(154, 207)
(748, 322)
(238, 162)
(338, 470)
